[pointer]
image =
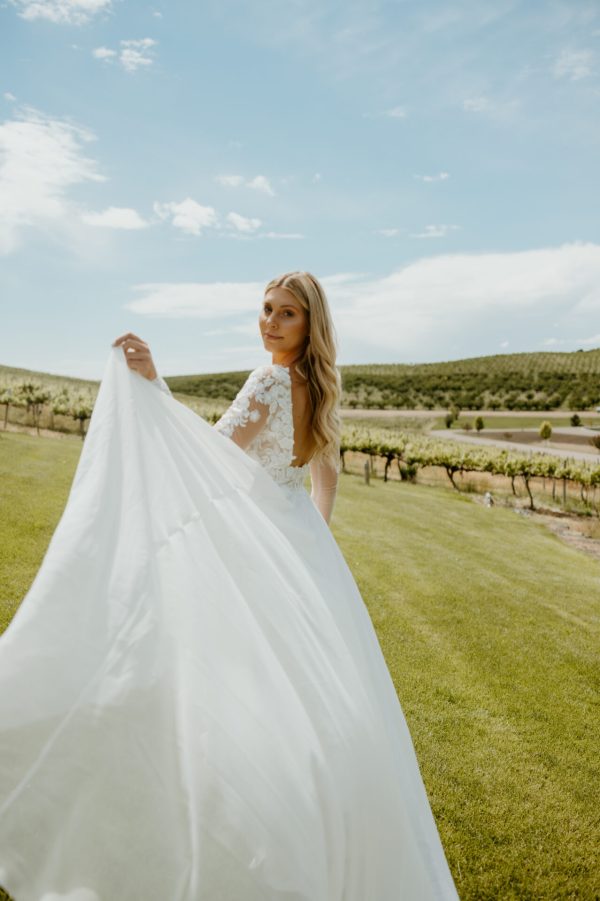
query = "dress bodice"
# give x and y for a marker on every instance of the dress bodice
(265, 400)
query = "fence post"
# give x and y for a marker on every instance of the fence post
(367, 469)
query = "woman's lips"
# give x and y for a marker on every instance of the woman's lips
(278, 337)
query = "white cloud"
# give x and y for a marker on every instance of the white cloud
(418, 310)
(258, 183)
(434, 300)
(187, 215)
(288, 236)
(10, 97)
(132, 55)
(157, 15)
(242, 224)
(435, 231)
(574, 64)
(115, 217)
(442, 176)
(317, 177)
(41, 158)
(196, 300)
(388, 232)
(70, 12)
(261, 183)
(103, 53)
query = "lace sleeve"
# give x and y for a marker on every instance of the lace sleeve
(324, 479)
(160, 383)
(247, 415)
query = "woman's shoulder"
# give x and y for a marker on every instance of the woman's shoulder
(265, 380)
(269, 374)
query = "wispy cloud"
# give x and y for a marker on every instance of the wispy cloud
(261, 183)
(187, 215)
(10, 97)
(441, 176)
(258, 183)
(285, 236)
(393, 112)
(116, 217)
(435, 231)
(574, 64)
(132, 55)
(433, 301)
(41, 159)
(388, 232)
(425, 304)
(242, 223)
(70, 12)
(195, 300)
(231, 181)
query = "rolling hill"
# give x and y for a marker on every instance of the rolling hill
(525, 381)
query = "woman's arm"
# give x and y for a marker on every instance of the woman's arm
(247, 415)
(324, 479)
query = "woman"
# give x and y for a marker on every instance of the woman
(195, 704)
(295, 326)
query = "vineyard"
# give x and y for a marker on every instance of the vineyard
(410, 452)
(64, 404)
(526, 381)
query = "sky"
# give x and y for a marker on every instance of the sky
(434, 164)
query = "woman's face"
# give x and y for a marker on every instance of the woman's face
(283, 322)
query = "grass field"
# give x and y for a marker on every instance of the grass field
(490, 627)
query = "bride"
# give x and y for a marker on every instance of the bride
(194, 705)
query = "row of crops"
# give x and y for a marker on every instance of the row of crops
(35, 398)
(526, 381)
(522, 381)
(408, 451)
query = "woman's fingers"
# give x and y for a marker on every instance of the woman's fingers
(128, 337)
(137, 354)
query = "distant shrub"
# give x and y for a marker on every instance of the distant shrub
(479, 424)
(575, 419)
(545, 430)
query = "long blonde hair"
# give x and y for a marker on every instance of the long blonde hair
(317, 362)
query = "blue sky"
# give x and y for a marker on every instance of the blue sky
(435, 165)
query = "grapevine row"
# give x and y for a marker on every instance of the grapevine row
(412, 451)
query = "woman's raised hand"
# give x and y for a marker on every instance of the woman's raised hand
(137, 353)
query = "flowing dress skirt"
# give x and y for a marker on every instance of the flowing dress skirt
(194, 705)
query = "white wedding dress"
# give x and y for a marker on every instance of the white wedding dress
(194, 705)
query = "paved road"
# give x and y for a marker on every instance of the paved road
(591, 457)
(486, 414)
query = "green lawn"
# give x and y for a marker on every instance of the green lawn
(489, 625)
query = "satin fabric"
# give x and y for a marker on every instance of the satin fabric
(194, 705)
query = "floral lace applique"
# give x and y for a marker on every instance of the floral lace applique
(273, 445)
